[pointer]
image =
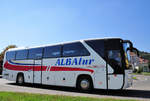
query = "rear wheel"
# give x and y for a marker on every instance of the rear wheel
(20, 79)
(84, 84)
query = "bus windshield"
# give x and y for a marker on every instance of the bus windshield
(127, 55)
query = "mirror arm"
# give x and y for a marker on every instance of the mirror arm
(137, 51)
(131, 47)
(128, 41)
(134, 49)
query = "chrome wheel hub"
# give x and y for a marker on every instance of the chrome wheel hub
(85, 84)
(20, 80)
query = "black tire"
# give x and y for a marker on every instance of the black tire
(84, 84)
(20, 79)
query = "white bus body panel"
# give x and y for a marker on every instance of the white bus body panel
(115, 81)
(65, 78)
(37, 75)
(100, 79)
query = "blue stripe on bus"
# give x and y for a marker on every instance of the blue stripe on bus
(21, 63)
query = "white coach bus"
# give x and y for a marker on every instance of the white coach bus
(85, 64)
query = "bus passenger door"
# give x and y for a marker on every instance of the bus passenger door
(37, 74)
(115, 68)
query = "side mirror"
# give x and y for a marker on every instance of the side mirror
(134, 50)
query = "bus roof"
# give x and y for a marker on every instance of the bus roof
(23, 48)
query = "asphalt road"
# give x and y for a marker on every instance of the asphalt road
(140, 90)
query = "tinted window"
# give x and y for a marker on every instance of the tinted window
(115, 61)
(113, 44)
(75, 49)
(10, 55)
(115, 57)
(52, 51)
(98, 46)
(22, 54)
(35, 53)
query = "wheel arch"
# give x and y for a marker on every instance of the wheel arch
(84, 75)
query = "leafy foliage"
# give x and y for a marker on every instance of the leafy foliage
(145, 55)
(3, 53)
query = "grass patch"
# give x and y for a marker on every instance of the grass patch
(135, 78)
(10, 96)
(143, 73)
(146, 73)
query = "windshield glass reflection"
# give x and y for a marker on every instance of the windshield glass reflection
(127, 55)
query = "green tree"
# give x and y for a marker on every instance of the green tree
(2, 55)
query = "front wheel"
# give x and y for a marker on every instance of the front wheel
(84, 84)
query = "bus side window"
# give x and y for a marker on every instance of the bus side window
(35, 53)
(21, 54)
(75, 49)
(52, 51)
(97, 46)
(10, 55)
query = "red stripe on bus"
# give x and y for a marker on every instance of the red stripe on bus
(55, 68)
(9, 66)
(17, 67)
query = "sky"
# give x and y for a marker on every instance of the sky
(28, 23)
